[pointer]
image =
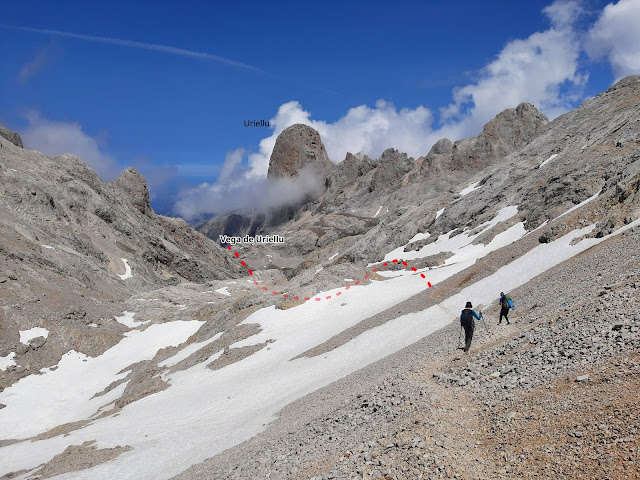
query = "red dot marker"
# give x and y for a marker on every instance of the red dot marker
(385, 264)
(329, 297)
(394, 261)
(366, 276)
(375, 270)
(357, 282)
(347, 287)
(242, 263)
(236, 254)
(265, 288)
(414, 269)
(250, 272)
(404, 263)
(339, 293)
(318, 299)
(285, 295)
(296, 298)
(256, 282)
(422, 275)
(429, 283)
(229, 248)
(306, 298)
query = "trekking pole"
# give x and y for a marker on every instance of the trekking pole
(484, 323)
(460, 338)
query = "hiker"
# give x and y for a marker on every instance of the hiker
(504, 310)
(466, 321)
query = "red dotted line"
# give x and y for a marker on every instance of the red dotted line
(317, 299)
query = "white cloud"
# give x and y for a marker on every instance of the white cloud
(563, 13)
(541, 69)
(231, 159)
(256, 194)
(54, 138)
(616, 36)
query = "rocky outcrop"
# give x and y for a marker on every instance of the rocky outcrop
(13, 137)
(133, 188)
(441, 147)
(509, 131)
(298, 147)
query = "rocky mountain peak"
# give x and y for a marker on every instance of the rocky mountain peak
(133, 187)
(13, 137)
(297, 147)
(442, 146)
(513, 128)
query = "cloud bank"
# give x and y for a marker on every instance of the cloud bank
(255, 194)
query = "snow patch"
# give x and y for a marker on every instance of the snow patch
(127, 270)
(581, 204)
(469, 189)
(548, 160)
(439, 212)
(127, 319)
(48, 246)
(333, 256)
(6, 362)
(381, 206)
(27, 335)
(224, 291)
(447, 244)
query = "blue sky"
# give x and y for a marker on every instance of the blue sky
(167, 87)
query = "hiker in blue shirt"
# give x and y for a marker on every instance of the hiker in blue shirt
(466, 321)
(504, 311)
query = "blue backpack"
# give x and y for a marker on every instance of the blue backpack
(509, 301)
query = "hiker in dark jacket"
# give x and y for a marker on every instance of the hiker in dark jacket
(504, 310)
(466, 322)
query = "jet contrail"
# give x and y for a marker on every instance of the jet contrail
(145, 46)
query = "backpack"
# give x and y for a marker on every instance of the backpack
(466, 320)
(509, 301)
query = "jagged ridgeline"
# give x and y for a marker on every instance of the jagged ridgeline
(361, 205)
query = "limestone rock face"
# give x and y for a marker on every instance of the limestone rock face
(392, 166)
(442, 146)
(13, 137)
(508, 132)
(133, 187)
(297, 147)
